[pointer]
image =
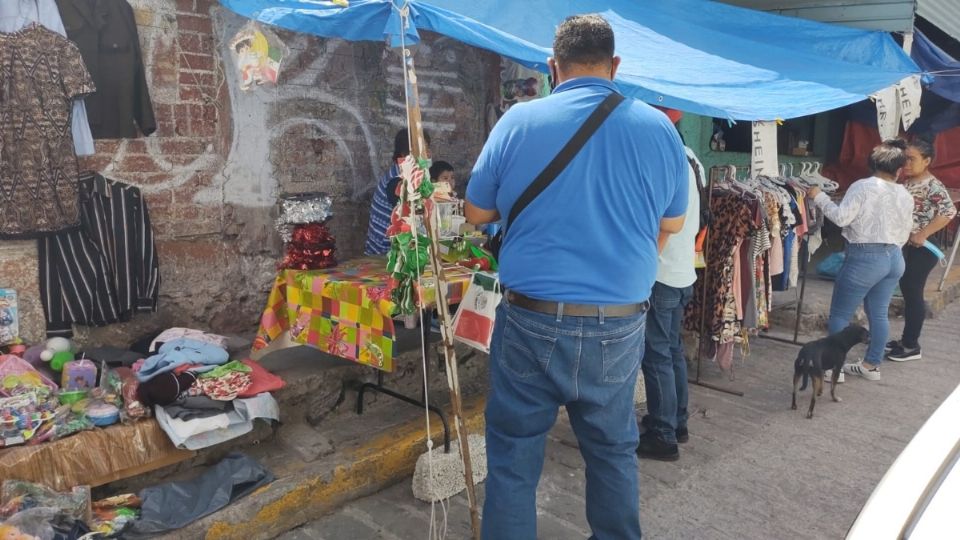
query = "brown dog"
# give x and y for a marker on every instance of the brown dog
(828, 353)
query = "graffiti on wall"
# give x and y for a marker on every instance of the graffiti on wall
(327, 125)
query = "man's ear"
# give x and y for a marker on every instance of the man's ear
(554, 73)
(614, 65)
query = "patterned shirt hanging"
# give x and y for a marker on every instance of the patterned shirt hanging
(41, 72)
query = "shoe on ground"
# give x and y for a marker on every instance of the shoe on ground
(828, 377)
(652, 447)
(683, 435)
(858, 369)
(892, 346)
(904, 355)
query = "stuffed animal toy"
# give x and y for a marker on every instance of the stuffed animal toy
(59, 351)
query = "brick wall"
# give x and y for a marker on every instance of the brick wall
(213, 171)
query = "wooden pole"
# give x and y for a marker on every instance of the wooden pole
(417, 148)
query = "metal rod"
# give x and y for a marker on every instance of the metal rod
(706, 281)
(799, 303)
(381, 388)
(779, 339)
(411, 401)
(805, 252)
(953, 255)
(717, 388)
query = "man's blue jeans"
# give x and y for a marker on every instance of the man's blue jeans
(539, 362)
(664, 366)
(869, 274)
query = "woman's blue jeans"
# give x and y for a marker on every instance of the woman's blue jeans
(869, 275)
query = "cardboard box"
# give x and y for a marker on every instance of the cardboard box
(93, 458)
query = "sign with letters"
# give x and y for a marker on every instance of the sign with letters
(908, 98)
(896, 105)
(888, 113)
(763, 158)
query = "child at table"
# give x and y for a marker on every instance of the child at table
(441, 174)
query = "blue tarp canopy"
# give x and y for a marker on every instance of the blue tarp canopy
(694, 55)
(933, 60)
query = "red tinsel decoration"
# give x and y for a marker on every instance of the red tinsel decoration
(311, 247)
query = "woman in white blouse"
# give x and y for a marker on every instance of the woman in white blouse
(877, 216)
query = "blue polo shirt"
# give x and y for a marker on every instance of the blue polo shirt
(591, 236)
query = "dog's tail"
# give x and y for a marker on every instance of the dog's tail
(806, 377)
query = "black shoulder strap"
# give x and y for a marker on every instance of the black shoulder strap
(696, 174)
(565, 156)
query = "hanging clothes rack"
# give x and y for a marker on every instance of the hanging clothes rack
(787, 188)
(809, 170)
(702, 341)
(703, 302)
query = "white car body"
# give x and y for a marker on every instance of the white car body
(919, 497)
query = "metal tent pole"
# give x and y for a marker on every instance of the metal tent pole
(953, 255)
(803, 289)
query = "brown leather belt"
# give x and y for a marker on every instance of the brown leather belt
(575, 310)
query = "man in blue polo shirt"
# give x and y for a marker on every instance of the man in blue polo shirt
(578, 263)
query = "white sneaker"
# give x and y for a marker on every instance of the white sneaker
(828, 377)
(858, 369)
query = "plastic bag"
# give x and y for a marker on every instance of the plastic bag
(473, 323)
(25, 415)
(19, 496)
(175, 505)
(114, 515)
(32, 524)
(830, 267)
(18, 376)
(133, 409)
(9, 318)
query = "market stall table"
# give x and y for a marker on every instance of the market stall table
(347, 312)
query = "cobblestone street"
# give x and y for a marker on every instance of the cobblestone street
(753, 468)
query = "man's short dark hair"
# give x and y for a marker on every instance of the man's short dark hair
(585, 40)
(401, 143)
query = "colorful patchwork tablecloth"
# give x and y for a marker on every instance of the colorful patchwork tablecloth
(345, 311)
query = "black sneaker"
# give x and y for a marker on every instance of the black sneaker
(892, 346)
(905, 355)
(652, 447)
(683, 435)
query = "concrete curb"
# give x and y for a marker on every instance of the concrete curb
(815, 321)
(308, 493)
(937, 301)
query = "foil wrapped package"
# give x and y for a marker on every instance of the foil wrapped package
(303, 208)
